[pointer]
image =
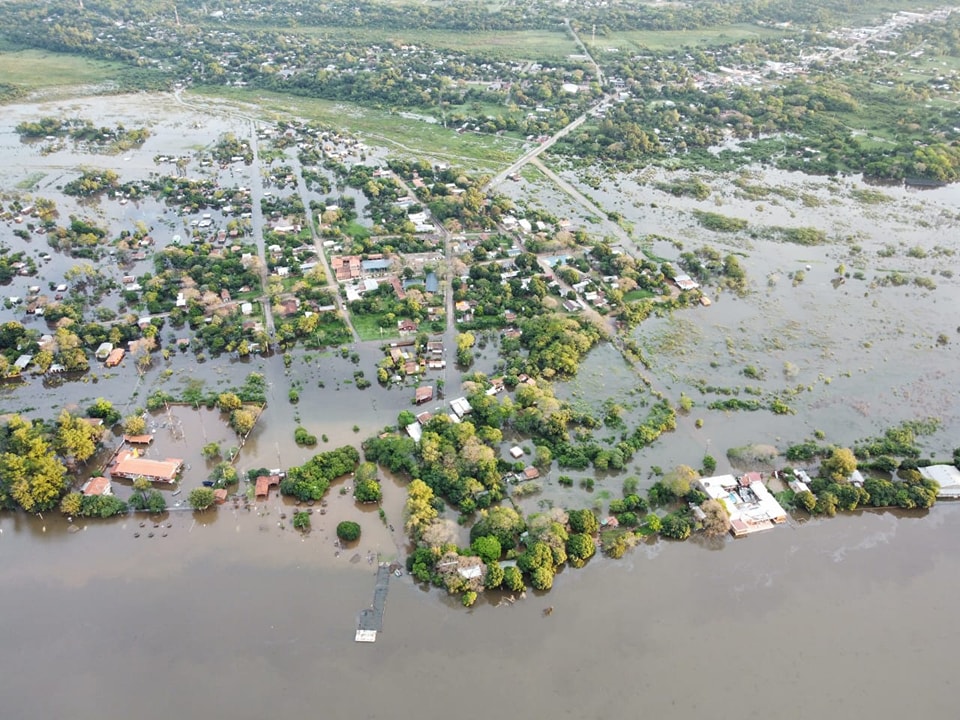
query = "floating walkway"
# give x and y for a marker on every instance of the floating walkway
(371, 618)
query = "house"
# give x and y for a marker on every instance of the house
(345, 267)
(516, 451)
(424, 417)
(530, 473)
(103, 351)
(415, 431)
(685, 282)
(461, 407)
(97, 486)
(115, 357)
(264, 483)
(220, 496)
(406, 327)
(435, 348)
(411, 367)
(129, 465)
(138, 439)
(423, 394)
(22, 362)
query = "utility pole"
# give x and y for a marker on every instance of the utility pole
(175, 14)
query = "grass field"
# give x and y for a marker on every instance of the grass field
(37, 69)
(674, 39)
(517, 45)
(419, 138)
(368, 327)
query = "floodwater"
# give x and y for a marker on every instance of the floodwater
(233, 614)
(226, 620)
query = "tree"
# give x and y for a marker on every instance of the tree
(104, 410)
(805, 499)
(675, 526)
(717, 520)
(71, 503)
(366, 487)
(537, 555)
(580, 548)
(542, 578)
(30, 473)
(503, 523)
(211, 451)
(242, 421)
(678, 480)
(513, 579)
(653, 523)
(487, 548)
(583, 522)
(840, 465)
(200, 498)
(406, 418)
(419, 509)
(348, 531)
(228, 402)
(494, 577)
(76, 438)
(134, 425)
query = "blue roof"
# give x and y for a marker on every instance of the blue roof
(431, 283)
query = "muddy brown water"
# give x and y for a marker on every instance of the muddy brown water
(224, 619)
(232, 614)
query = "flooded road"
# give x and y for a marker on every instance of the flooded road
(214, 621)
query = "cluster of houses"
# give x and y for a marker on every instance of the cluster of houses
(752, 508)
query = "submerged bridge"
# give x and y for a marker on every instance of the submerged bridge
(371, 618)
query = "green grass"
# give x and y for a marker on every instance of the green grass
(419, 138)
(35, 69)
(637, 294)
(673, 39)
(368, 327)
(505, 45)
(31, 181)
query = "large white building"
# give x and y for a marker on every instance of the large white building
(751, 506)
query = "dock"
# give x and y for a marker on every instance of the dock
(371, 618)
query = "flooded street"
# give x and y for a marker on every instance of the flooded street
(227, 621)
(233, 614)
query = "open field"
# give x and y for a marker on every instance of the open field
(519, 45)
(403, 134)
(672, 39)
(36, 69)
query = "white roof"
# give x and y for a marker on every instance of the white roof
(460, 406)
(472, 572)
(415, 431)
(946, 476)
(516, 451)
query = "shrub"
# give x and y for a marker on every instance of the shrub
(348, 531)
(301, 521)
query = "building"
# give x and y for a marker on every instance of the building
(751, 506)
(98, 486)
(461, 407)
(376, 267)
(103, 351)
(220, 496)
(423, 394)
(128, 465)
(946, 476)
(406, 327)
(435, 348)
(345, 267)
(264, 483)
(530, 473)
(115, 357)
(138, 439)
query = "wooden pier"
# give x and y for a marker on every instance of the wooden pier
(371, 618)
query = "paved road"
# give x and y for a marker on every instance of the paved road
(583, 48)
(542, 147)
